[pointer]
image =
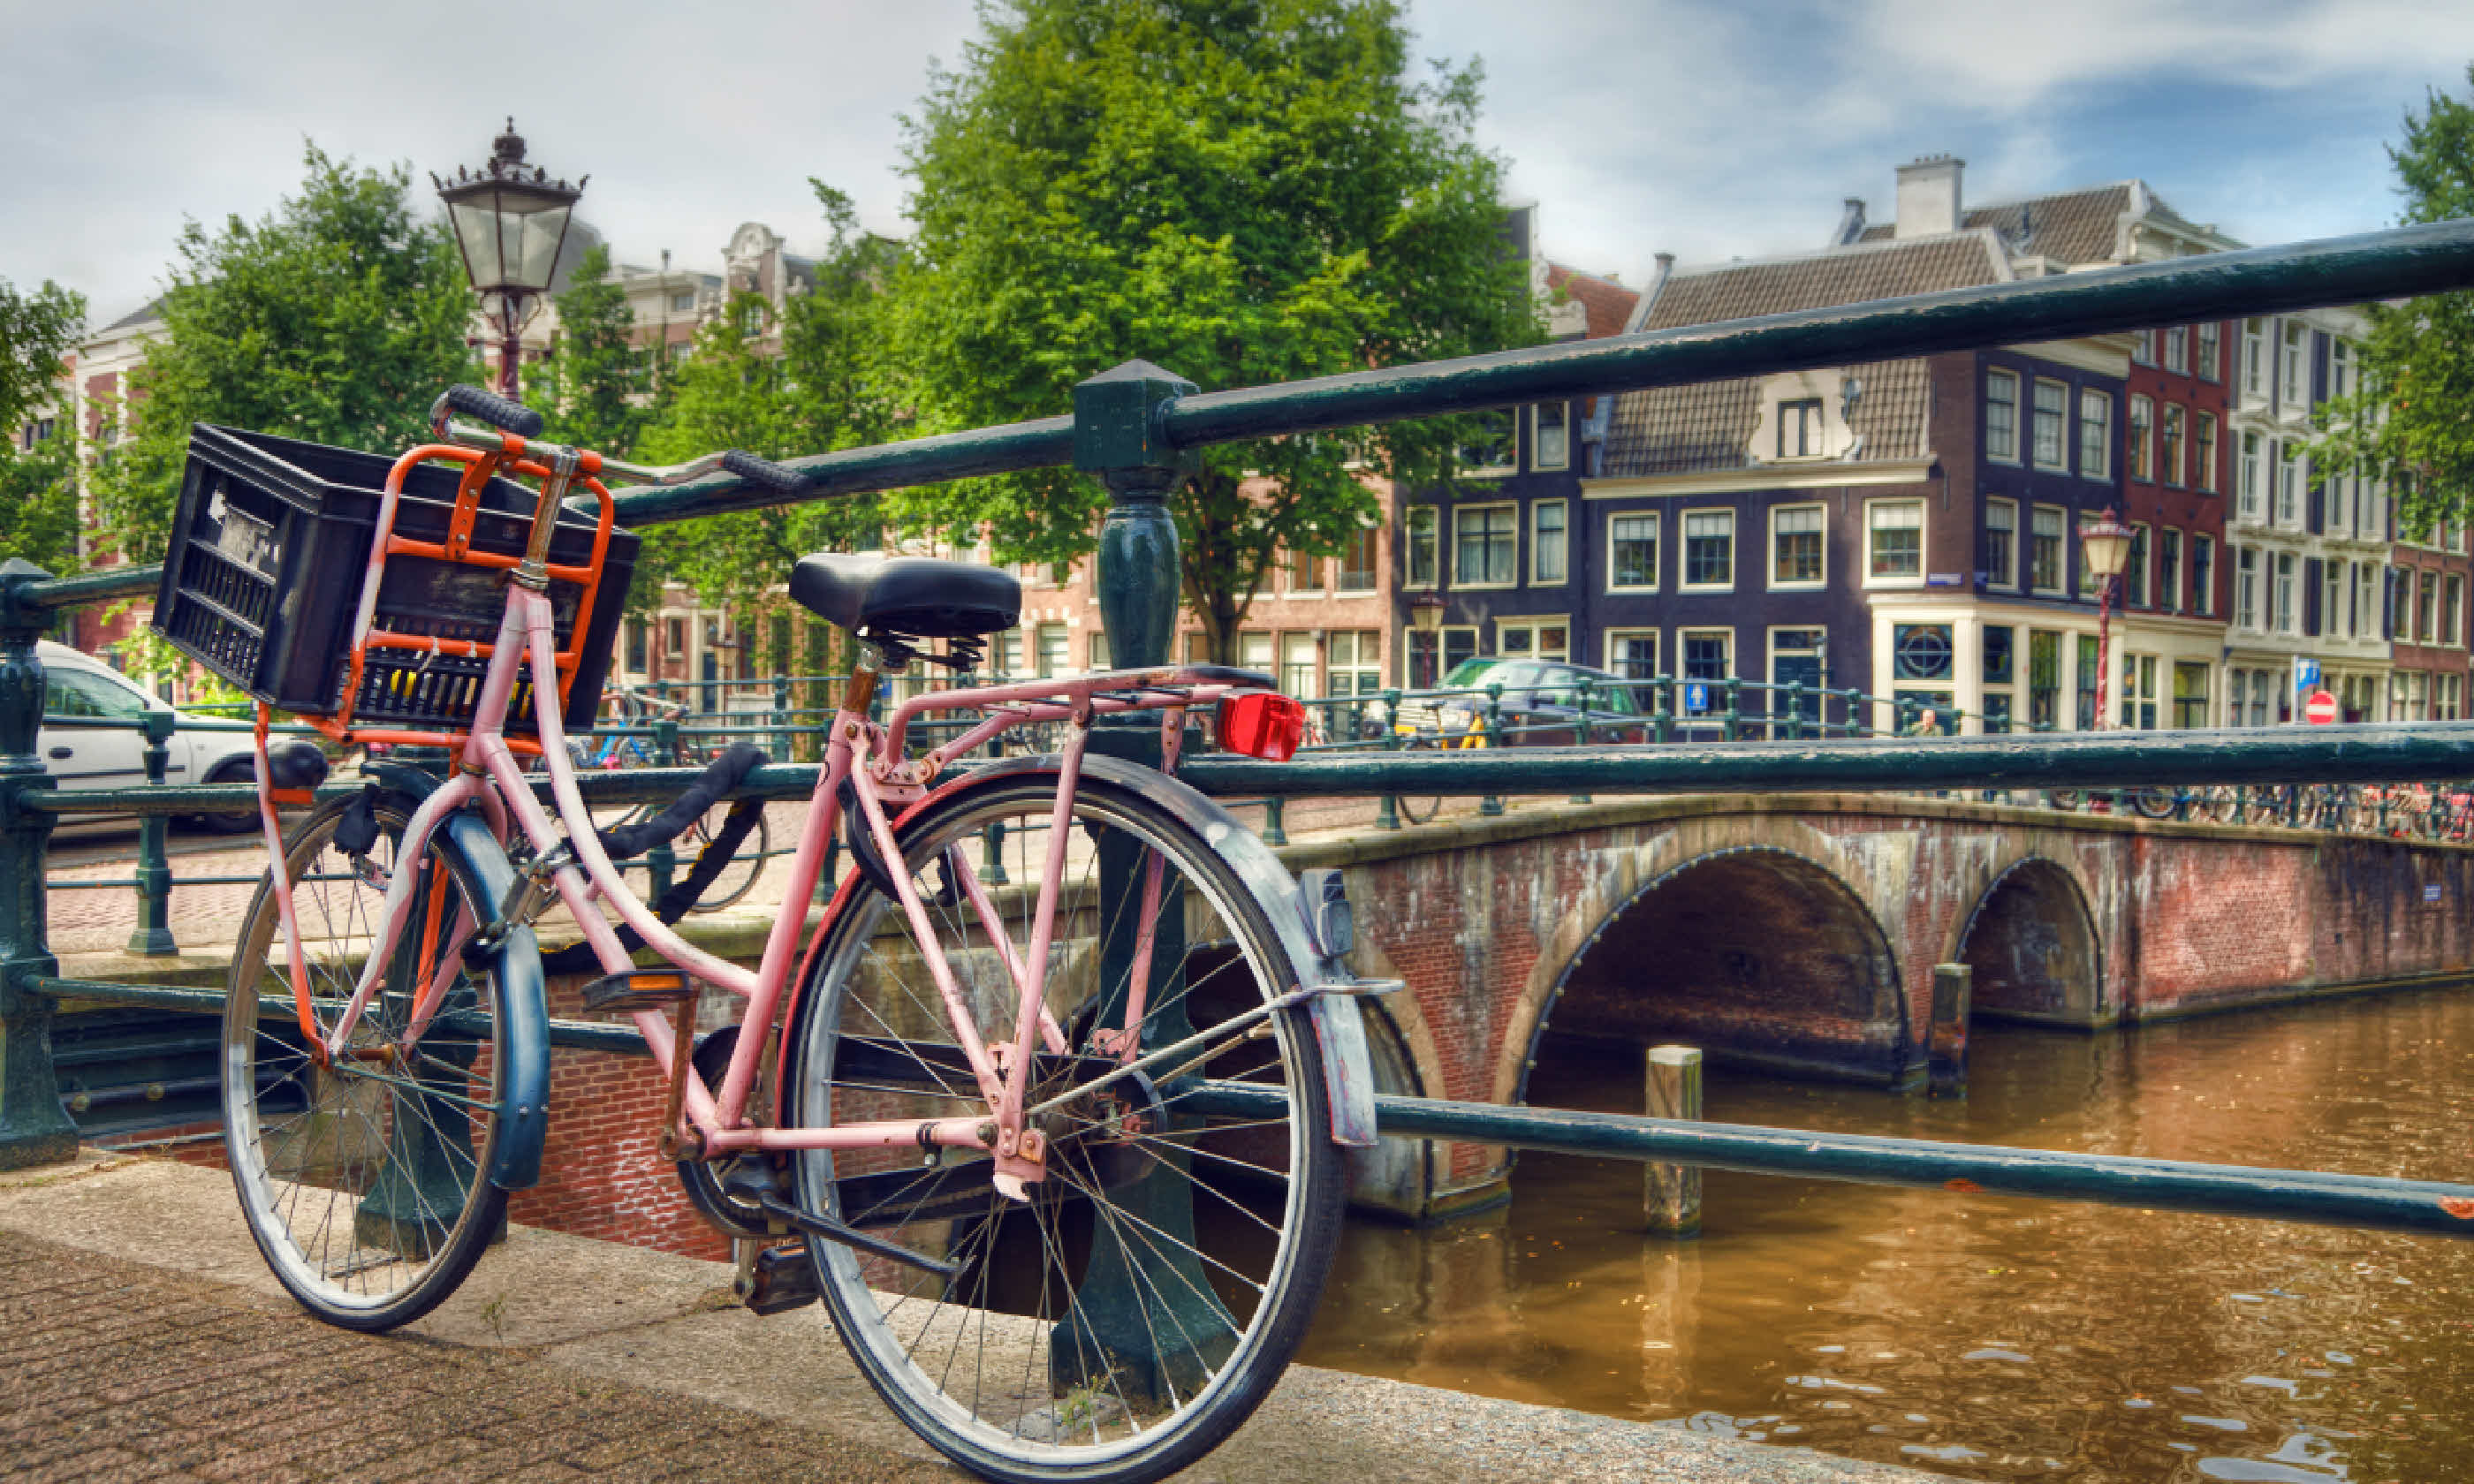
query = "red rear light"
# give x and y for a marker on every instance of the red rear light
(1264, 724)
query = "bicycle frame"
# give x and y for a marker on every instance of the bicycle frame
(869, 759)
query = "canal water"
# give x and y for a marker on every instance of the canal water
(1985, 1338)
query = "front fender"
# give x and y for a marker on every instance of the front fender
(523, 1012)
(1340, 1028)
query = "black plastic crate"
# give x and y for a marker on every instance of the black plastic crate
(270, 546)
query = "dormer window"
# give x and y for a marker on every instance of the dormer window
(1800, 428)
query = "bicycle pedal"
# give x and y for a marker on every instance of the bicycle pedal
(638, 988)
(781, 1279)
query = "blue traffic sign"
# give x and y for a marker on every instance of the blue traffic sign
(2306, 673)
(1696, 696)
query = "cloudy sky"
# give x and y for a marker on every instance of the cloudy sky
(1703, 128)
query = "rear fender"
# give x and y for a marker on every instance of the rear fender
(524, 1014)
(1339, 1029)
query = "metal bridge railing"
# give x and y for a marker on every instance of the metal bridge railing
(1129, 428)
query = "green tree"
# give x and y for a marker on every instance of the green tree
(1242, 191)
(809, 380)
(2411, 421)
(39, 511)
(335, 319)
(598, 392)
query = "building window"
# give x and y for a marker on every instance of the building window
(2002, 543)
(1709, 548)
(1297, 666)
(2282, 612)
(2043, 679)
(2211, 351)
(2002, 415)
(1305, 574)
(2169, 570)
(2142, 347)
(1894, 537)
(2134, 570)
(2096, 435)
(2448, 697)
(2366, 599)
(2292, 391)
(2332, 596)
(2203, 450)
(2083, 708)
(2044, 549)
(2426, 604)
(2053, 410)
(1009, 655)
(2189, 694)
(1795, 545)
(2142, 449)
(1422, 547)
(2341, 368)
(1096, 649)
(1550, 436)
(2203, 575)
(1999, 670)
(1489, 449)
(2452, 612)
(637, 644)
(1798, 428)
(1547, 549)
(1707, 654)
(1632, 553)
(1357, 562)
(1534, 639)
(1355, 662)
(1054, 658)
(2289, 483)
(2168, 444)
(2247, 484)
(2138, 692)
(2246, 587)
(1633, 652)
(2254, 354)
(1484, 539)
(2178, 350)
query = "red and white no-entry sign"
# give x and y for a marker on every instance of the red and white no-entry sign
(2320, 709)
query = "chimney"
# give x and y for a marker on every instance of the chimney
(1928, 201)
(1850, 223)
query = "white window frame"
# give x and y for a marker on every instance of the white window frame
(2284, 610)
(1323, 567)
(2250, 476)
(1490, 506)
(1993, 579)
(2208, 351)
(2254, 357)
(2203, 469)
(2203, 594)
(2101, 424)
(1684, 550)
(2143, 439)
(2062, 437)
(2141, 556)
(1770, 567)
(2292, 480)
(1538, 443)
(2246, 594)
(1684, 636)
(1657, 549)
(2009, 454)
(2168, 590)
(1409, 547)
(1923, 529)
(2293, 364)
(1613, 637)
(1533, 623)
(2062, 552)
(2178, 350)
(1563, 509)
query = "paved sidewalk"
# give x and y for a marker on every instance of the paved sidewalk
(145, 1340)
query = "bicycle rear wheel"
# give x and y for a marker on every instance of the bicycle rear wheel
(1137, 1308)
(362, 1181)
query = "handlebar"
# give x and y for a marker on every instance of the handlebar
(526, 424)
(512, 415)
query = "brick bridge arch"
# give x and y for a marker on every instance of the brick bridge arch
(2032, 941)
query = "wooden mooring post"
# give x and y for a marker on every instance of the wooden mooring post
(1946, 1046)
(1671, 1193)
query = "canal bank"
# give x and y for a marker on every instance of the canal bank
(569, 1357)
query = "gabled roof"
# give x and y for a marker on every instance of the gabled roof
(1710, 426)
(1608, 304)
(152, 311)
(1844, 275)
(2069, 227)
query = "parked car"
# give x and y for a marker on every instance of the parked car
(79, 685)
(1542, 705)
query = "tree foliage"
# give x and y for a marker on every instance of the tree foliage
(39, 512)
(2411, 421)
(598, 392)
(1242, 191)
(809, 380)
(335, 319)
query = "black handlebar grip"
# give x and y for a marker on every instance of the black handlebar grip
(496, 410)
(757, 471)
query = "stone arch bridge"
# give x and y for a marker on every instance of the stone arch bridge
(1799, 933)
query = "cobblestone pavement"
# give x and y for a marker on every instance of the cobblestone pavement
(118, 1371)
(99, 920)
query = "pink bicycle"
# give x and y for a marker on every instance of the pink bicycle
(971, 1108)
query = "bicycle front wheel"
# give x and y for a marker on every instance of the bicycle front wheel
(1137, 1308)
(362, 1179)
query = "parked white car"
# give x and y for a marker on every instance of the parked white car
(78, 684)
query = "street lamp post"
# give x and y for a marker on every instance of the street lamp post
(1426, 618)
(2105, 545)
(510, 221)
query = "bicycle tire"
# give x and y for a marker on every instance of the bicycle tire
(422, 1209)
(2153, 802)
(745, 868)
(1418, 809)
(2066, 799)
(1211, 1261)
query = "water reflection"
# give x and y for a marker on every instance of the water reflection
(1980, 1336)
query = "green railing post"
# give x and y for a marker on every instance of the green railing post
(1492, 803)
(1147, 1318)
(1663, 688)
(1731, 723)
(33, 1128)
(1584, 733)
(152, 936)
(1794, 711)
(781, 718)
(1275, 830)
(1387, 810)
